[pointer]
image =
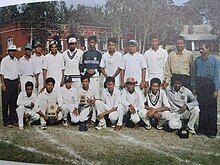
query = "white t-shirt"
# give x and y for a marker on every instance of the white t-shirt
(54, 66)
(26, 67)
(38, 63)
(155, 61)
(111, 64)
(69, 96)
(133, 65)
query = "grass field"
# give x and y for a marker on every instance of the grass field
(59, 145)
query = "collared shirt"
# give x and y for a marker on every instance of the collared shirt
(54, 64)
(49, 98)
(90, 93)
(178, 99)
(208, 68)
(111, 64)
(111, 101)
(133, 65)
(24, 100)
(9, 68)
(136, 99)
(178, 64)
(69, 96)
(26, 66)
(71, 63)
(157, 101)
(156, 60)
(38, 63)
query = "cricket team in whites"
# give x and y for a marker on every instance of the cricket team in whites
(98, 90)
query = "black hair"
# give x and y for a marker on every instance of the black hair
(113, 40)
(83, 77)
(177, 77)
(206, 44)
(50, 80)
(155, 80)
(29, 84)
(110, 79)
(94, 38)
(181, 38)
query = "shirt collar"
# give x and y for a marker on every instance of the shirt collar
(180, 91)
(180, 53)
(109, 93)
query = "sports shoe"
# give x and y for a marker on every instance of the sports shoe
(148, 125)
(65, 123)
(192, 132)
(21, 128)
(159, 127)
(43, 127)
(99, 127)
(9, 126)
(118, 127)
(83, 126)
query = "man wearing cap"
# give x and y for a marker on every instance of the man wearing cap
(111, 62)
(53, 65)
(10, 86)
(72, 57)
(155, 58)
(69, 95)
(133, 103)
(38, 65)
(26, 67)
(90, 62)
(133, 65)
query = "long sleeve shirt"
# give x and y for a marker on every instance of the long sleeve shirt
(207, 68)
(178, 64)
(24, 100)
(111, 101)
(178, 99)
(69, 96)
(136, 99)
(91, 60)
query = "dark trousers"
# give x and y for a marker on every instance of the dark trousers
(9, 105)
(208, 107)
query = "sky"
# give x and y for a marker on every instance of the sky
(102, 2)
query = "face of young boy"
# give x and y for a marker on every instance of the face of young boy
(68, 85)
(130, 86)
(85, 83)
(49, 87)
(29, 90)
(177, 85)
(110, 86)
(92, 44)
(111, 47)
(155, 87)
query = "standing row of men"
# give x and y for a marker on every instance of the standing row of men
(73, 62)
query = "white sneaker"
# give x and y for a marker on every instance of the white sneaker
(159, 127)
(148, 125)
(65, 123)
(99, 127)
(21, 128)
(193, 132)
(43, 127)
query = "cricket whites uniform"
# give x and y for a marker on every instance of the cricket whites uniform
(71, 63)
(45, 99)
(111, 64)
(156, 61)
(38, 66)
(24, 107)
(26, 71)
(54, 64)
(70, 101)
(111, 101)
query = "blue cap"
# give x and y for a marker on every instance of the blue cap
(28, 46)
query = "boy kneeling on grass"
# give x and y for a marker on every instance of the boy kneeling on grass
(49, 105)
(26, 107)
(157, 104)
(111, 107)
